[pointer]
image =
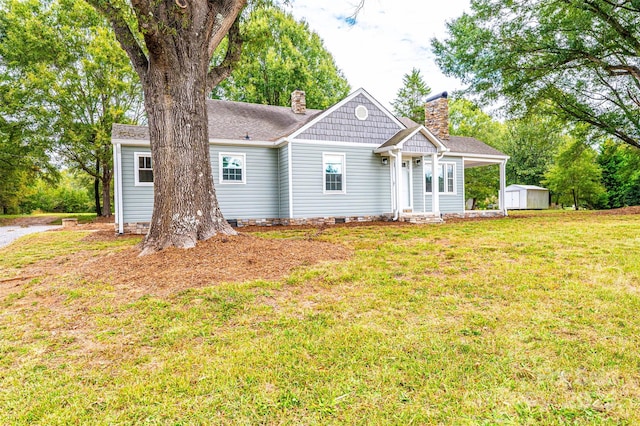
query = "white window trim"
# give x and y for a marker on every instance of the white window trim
(136, 168)
(455, 178)
(244, 168)
(344, 173)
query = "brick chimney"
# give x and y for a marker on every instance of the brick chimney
(298, 102)
(436, 115)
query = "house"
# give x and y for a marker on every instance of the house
(352, 162)
(528, 197)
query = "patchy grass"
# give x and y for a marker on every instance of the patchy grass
(531, 319)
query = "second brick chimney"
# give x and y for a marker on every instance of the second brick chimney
(298, 102)
(436, 115)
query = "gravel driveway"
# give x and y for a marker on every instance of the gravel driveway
(10, 233)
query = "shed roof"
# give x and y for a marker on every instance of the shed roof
(533, 187)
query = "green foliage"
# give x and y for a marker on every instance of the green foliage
(575, 176)
(620, 174)
(279, 56)
(580, 57)
(410, 98)
(67, 196)
(69, 82)
(532, 143)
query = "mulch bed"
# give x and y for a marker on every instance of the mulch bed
(220, 259)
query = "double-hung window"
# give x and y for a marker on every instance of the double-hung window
(232, 168)
(143, 170)
(334, 173)
(446, 178)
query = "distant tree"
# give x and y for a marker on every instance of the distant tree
(279, 56)
(410, 98)
(575, 177)
(80, 81)
(580, 56)
(532, 143)
(620, 174)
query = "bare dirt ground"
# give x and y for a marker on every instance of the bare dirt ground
(623, 210)
(30, 221)
(220, 259)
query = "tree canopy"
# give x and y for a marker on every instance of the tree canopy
(279, 56)
(411, 97)
(72, 80)
(581, 56)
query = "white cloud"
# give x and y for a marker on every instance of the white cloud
(388, 39)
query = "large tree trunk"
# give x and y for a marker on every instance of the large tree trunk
(185, 206)
(180, 38)
(107, 175)
(96, 189)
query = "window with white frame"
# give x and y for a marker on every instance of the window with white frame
(334, 167)
(143, 170)
(232, 168)
(446, 178)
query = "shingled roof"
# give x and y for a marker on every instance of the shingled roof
(466, 145)
(235, 120)
(460, 144)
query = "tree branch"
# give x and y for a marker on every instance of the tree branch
(607, 18)
(223, 23)
(234, 49)
(124, 35)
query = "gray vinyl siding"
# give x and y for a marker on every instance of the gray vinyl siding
(418, 187)
(259, 196)
(342, 125)
(284, 180)
(450, 203)
(367, 182)
(137, 201)
(454, 203)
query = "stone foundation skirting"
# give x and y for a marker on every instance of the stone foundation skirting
(141, 228)
(469, 214)
(420, 218)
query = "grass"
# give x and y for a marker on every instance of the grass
(531, 319)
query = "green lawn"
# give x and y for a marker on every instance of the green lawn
(532, 319)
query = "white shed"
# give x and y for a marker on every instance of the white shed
(525, 197)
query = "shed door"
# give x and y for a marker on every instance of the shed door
(513, 200)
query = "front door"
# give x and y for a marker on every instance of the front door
(406, 185)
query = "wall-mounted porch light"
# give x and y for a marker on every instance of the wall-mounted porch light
(385, 161)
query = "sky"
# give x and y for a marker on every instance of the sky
(387, 40)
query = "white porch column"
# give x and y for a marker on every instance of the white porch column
(398, 183)
(435, 187)
(503, 179)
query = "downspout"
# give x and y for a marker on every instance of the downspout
(394, 187)
(119, 207)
